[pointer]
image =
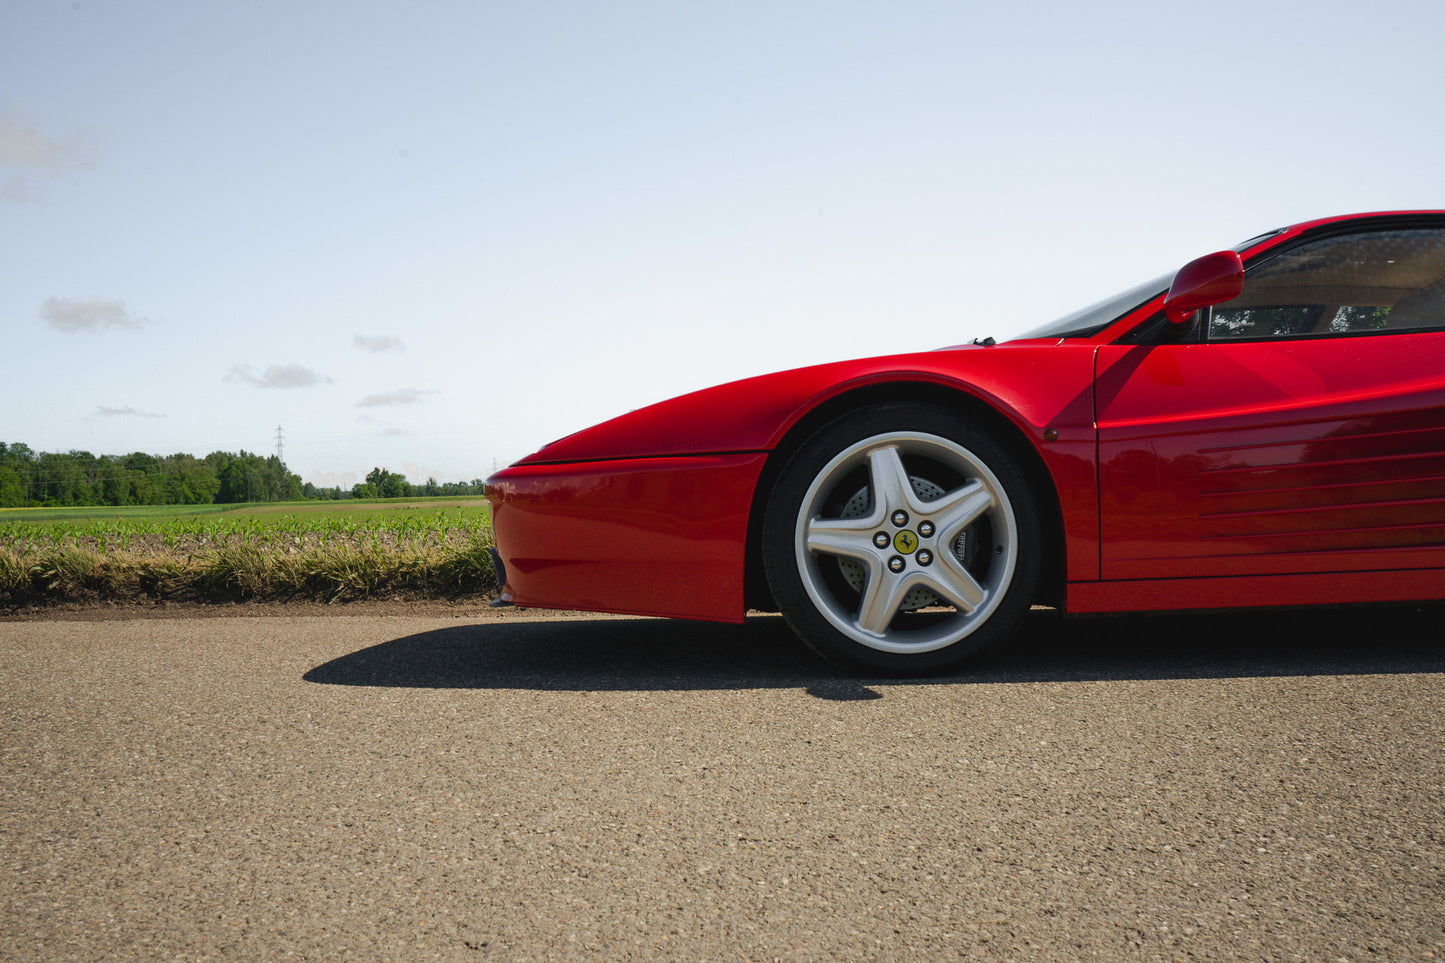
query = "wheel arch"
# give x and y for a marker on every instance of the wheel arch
(1006, 431)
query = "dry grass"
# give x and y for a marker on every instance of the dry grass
(263, 565)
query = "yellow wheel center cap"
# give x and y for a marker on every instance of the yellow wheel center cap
(905, 542)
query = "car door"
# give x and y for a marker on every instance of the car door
(1301, 430)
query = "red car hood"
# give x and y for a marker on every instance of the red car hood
(1029, 381)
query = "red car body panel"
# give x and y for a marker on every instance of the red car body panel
(1272, 457)
(1187, 475)
(1029, 382)
(645, 536)
(1257, 591)
(597, 537)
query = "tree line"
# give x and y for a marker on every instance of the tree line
(30, 478)
(381, 483)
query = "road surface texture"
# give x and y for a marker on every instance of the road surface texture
(537, 786)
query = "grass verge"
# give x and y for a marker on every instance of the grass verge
(245, 570)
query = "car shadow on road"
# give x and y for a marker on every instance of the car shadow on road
(575, 654)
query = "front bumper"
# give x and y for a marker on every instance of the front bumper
(640, 536)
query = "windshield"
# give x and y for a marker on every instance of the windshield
(1093, 319)
(1089, 321)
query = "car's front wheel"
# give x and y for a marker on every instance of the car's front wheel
(902, 539)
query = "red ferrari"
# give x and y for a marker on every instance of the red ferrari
(1265, 427)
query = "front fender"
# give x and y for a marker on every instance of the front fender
(1035, 384)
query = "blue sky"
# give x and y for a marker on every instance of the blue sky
(433, 236)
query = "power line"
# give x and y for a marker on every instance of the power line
(279, 446)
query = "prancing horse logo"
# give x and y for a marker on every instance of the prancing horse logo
(905, 541)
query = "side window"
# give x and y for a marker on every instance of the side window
(1361, 283)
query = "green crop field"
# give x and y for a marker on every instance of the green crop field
(351, 507)
(397, 548)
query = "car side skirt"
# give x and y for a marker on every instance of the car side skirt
(1256, 591)
(640, 536)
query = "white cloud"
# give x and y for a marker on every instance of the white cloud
(86, 315)
(401, 396)
(418, 474)
(104, 411)
(26, 150)
(377, 343)
(16, 189)
(277, 376)
(330, 479)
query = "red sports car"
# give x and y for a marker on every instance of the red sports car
(1266, 427)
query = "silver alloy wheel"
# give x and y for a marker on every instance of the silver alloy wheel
(920, 550)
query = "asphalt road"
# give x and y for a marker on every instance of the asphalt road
(539, 787)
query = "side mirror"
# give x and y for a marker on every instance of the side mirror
(1203, 282)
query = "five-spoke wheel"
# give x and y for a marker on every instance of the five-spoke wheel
(902, 539)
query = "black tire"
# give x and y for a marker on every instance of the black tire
(902, 540)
